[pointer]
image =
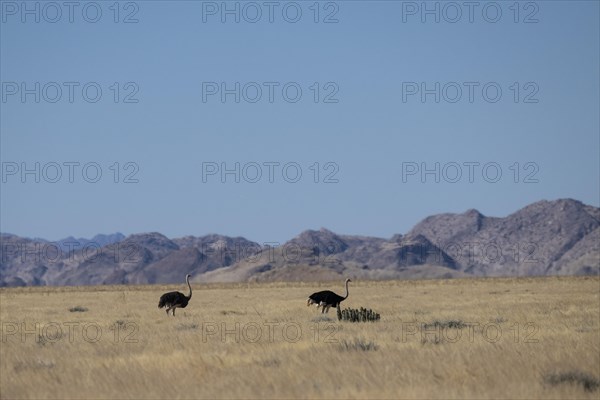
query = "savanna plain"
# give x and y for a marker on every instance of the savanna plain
(494, 338)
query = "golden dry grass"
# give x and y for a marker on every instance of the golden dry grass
(276, 347)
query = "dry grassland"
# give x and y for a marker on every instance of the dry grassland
(467, 338)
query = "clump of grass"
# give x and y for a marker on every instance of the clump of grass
(41, 340)
(187, 327)
(78, 309)
(588, 382)
(45, 364)
(434, 340)
(232, 312)
(449, 324)
(358, 345)
(354, 315)
(322, 318)
(270, 363)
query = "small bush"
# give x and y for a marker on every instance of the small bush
(588, 382)
(78, 309)
(354, 315)
(358, 345)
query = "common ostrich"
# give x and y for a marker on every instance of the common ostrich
(327, 299)
(172, 300)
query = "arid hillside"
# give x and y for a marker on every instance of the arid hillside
(559, 237)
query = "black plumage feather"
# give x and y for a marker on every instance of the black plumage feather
(173, 298)
(327, 297)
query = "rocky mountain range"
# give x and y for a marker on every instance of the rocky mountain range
(560, 237)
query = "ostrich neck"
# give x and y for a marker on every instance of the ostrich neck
(346, 290)
(190, 286)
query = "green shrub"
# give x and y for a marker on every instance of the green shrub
(360, 315)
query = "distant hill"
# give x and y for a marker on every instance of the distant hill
(546, 237)
(560, 237)
(136, 259)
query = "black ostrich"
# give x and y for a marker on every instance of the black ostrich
(327, 299)
(172, 300)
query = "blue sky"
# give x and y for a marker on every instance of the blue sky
(370, 130)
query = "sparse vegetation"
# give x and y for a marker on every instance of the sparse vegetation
(269, 344)
(358, 344)
(588, 382)
(270, 363)
(450, 324)
(78, 309)
(322, 318)
(232, 312)
(187, 327)
(41, 340)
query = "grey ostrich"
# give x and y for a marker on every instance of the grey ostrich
(173, 300)
(327, 299)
